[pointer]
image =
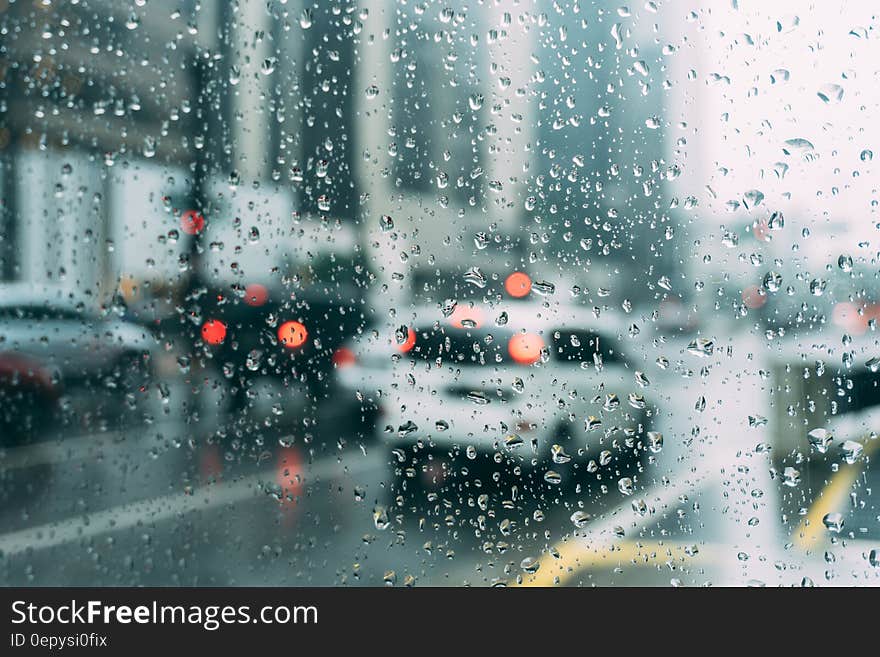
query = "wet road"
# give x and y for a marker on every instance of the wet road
(257, 501)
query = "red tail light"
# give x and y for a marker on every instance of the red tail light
(525, 348)
(191, 222)
(518, 284)
(344, 357)
(292, 334)
(753, 297)
(410, 341)
(213, 331)
(466, 317)
(22, 371)
(256, 294)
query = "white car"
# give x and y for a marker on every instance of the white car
(540, 387)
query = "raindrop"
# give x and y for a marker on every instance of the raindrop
(530, 565)
(512, 441)
(753, 198)
(833, 522)
(779, 76)
(701, 347)
(852, 451)
(380, 518)
(580, 519)
(475, 277)
(305, 19)
(552, 477)
(559, 455)
(820, 439)
(776, 221)
(772, 281)
(830, 93)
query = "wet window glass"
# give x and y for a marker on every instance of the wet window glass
(413, 293)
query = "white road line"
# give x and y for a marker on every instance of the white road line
(158, 509)
(81, 447)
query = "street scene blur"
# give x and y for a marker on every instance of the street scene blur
(421, 293)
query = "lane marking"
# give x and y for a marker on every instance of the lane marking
(811, 530)
(167, 507)
(574, 559)
(85, 446)
(600, 544)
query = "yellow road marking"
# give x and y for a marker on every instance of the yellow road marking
(574, 556)
(811, 531)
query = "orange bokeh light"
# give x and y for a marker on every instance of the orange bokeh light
(343, 357)
(410, 341)
(846, 315)
(463, 313)
(518, 284)
(288, 474)
(191, 222)
(256, 294)
(213, 331)
(292, 334)
(525, 348)
(753, 297)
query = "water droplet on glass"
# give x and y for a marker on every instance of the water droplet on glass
(830, 93)
(476, 277)
(552, 477)
(820, 439)
(580, 519)
(530, 565)
(380, 518)
(558, 454)
(701, 347)
(851, 451)
(772, 281)
(833, 522)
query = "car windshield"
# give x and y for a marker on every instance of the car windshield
(429, 293)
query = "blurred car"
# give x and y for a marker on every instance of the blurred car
(543, 389)
(277, 349)
(52, 343)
